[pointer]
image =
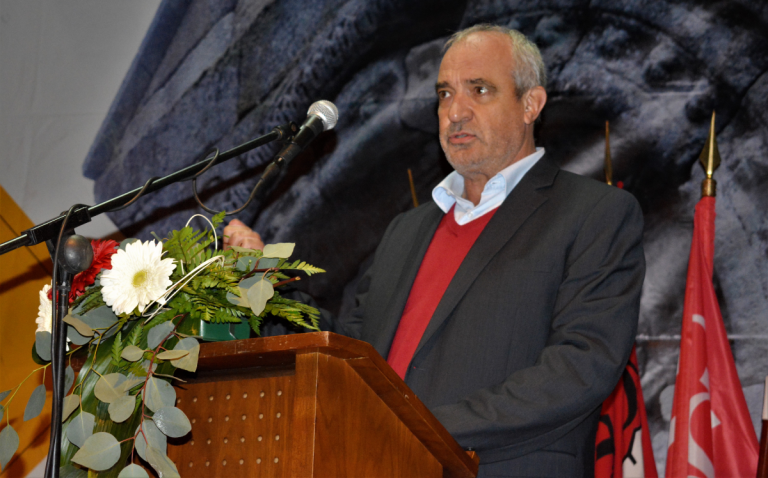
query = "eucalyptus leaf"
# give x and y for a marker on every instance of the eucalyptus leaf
(121, 409)
(4, 394)
(259, 294)
(2, 412)
(241, 301)
(158, 333)
(99, 452)
(101, 318)
(71, 402)
(172, 354)
(133, 471)
(9, 443)
(109, 387)
(80, 428)
(158, 394)
(172, 421)
(131, 382)
(244, 250)
(162, 464)
(125, 242)
(69, 378)
(188, 363)
(245, 263)
(268, 263)
(132, 353)
(281, 250)
(82, 328)
(35, 404)
(154, 438)
(43, 346)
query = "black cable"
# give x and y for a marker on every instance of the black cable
(60, 301)
(138, 194)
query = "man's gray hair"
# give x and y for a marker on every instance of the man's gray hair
(529, 71)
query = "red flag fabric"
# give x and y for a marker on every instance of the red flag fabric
(711, 433)
(623, 446)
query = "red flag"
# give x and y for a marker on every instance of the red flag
(711, 433)
(623, 445)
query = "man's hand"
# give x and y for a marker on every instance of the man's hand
(238, 234)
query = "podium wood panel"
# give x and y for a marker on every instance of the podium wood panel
(309, 405)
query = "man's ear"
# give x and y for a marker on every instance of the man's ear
(534, 100)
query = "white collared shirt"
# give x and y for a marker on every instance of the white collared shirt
(451, 189)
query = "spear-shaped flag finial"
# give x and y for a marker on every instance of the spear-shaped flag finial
(710, 161)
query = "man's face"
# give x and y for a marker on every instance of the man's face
(482, 122)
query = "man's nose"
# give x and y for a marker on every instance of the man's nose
(460, 110)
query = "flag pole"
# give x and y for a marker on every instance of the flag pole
(608, 166)
(762, 461)
(710, 161)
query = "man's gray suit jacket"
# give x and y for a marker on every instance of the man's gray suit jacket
(534, 329)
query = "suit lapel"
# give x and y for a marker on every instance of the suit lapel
(521, 203)
(408, 262)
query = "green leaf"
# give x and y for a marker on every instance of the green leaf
(101, 318)
(4, 394)
(172, 421)
(71, 402)
(35, 404)
(189, 362)
(133, 471)
(81, 428)
(121, 409)
(281, 250)
(130, 383)
(172, 354)
(132, 353)
(162, 464)
(43, 345)
(69, 471)
(259, 294)
(9, 443)
(135, 336)
(81, 327)
(244, 250)
(99, 452)
(69, 378)
(2, 411)
(109, 387)
(158, 394)
(154, 436)
(117, 349)
(268, 263)
(157, 334)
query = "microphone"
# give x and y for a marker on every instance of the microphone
(321, 116)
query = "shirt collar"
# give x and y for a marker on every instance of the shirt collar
(451, 189)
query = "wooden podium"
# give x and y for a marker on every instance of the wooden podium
(309, 405)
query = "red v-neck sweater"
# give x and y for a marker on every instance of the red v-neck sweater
(449, 246)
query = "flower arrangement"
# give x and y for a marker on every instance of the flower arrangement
(135, 315)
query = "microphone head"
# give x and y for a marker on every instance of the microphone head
(326, 111)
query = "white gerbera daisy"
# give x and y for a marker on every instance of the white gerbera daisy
(139, 276)
(44, 311)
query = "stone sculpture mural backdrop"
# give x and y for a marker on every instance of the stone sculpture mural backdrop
(217, 73)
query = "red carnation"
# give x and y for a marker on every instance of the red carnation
(102, 259)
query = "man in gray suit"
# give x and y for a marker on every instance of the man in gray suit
(534, 321)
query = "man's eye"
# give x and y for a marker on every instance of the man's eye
(481, 90)
(441, 95)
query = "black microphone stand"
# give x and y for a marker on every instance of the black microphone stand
(74, 254)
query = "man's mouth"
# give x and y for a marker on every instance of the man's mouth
(460, 138)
